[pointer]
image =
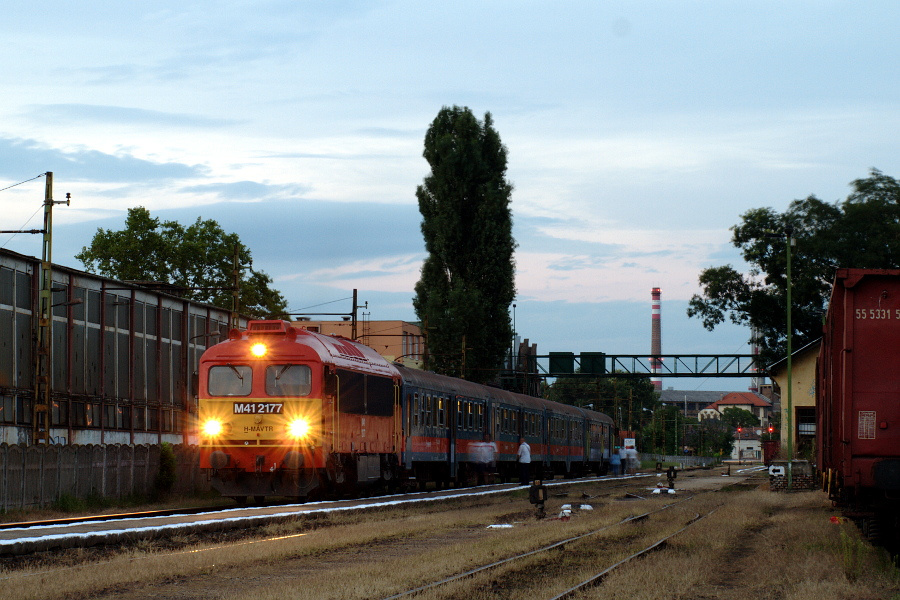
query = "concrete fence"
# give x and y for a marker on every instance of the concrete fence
(682, 461)
(33, 476)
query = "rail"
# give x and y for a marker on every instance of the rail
(469, 573)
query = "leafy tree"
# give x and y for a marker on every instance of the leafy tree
(467, 280)
(664, 432)
(627, 400)
(739, 417)
(863, 231)
(710, 437)
(199, 258)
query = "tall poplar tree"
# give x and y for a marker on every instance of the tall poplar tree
(468, 279)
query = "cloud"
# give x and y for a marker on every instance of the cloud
(22, 157)
(70, 114)
(381, 132)
(382, 273)
(249, 190)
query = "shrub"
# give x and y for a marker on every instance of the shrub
(164, 482)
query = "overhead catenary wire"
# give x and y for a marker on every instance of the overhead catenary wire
(28, 220)
(21, 182)
(318, 305)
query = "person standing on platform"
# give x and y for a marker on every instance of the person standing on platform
(615, 462)
(633, 461)
(524, 462)
(484, 458)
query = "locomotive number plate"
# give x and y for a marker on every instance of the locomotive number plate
(258, 408)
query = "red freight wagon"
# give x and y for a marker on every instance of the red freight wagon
(858, 396)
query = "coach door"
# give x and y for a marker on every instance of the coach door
(453, 410)
(546, 419)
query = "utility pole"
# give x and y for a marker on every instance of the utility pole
(789, 231)
(43, 356)
(462, 369)
(353, 320)
(236, 289)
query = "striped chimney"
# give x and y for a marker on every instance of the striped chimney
(656, 338)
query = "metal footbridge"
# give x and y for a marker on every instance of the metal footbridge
(599, 364)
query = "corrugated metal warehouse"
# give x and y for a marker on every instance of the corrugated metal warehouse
(121, 363)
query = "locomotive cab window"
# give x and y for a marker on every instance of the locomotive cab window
(288, 380)
(230, 380)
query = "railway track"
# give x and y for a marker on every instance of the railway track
(109, 517)
(47, 535)
(590, 581)
(426, 551)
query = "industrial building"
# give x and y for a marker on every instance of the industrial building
(118, 367)
(395, 340)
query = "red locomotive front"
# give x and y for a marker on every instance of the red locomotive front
(287, 412)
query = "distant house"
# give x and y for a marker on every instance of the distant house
(690, 402)
(747, 445)
(752, 402)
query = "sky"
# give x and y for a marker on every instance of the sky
(637, 133)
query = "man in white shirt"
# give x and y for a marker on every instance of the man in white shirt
(524, 462)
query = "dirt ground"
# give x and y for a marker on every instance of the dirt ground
(733, 566)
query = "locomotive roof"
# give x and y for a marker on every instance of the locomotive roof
(284, 338)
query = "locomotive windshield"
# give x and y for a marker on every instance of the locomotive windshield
(230, 380)
(288, 380)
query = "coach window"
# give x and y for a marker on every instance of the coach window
(460, 415)
(440, 412)
(230, 380)
(288, 380)
(428, 405)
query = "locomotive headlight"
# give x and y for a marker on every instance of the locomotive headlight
(258, 350)
(298, 428)
(213, 428)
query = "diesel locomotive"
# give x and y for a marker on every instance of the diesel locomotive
(292, 413)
